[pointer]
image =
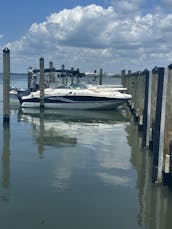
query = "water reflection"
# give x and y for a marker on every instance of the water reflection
(55, 127)
(100, 155)
(87, 130)
(77, 115)
(155, 200)
(48, 129)
(5, 163)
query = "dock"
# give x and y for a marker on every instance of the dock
(151, 106)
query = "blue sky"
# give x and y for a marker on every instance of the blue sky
(18, 15)
(85, 34)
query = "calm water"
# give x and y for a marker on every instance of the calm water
(79, 170)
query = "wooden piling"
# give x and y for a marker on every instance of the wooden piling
(123, 78)
(101, 77)
(162, 126)
(51, 75)
(77, 76)
(157, 116)
(72, 76)
(168, 130)
(63, 74)
(138, 98)
(29, 77)
(41, 61)
(154, 86)
(6, 86)
(158, 141)
(147, 108)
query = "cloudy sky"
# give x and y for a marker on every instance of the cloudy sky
(85, 34)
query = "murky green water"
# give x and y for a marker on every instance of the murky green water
(79, 170)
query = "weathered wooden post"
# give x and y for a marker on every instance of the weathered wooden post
(131, 87)
(72, 76)
(6, 117)
(29, 77)
(123, 78)
(167, 175)
(139, 98)
(77, 76)
(158, 142)
(62, 75)
(6, 86)
(147, 108)
(41, 62)
(52, 76)
(101, 76)
(154, 86)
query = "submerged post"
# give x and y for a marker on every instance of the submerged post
(6, 86)
(41, 62)
(101, 76)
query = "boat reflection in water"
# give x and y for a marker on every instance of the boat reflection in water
(60, 127)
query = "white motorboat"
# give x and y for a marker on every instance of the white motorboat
(76, 98)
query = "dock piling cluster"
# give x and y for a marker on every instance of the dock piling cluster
(151, 106)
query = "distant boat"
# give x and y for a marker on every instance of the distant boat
(76, 98)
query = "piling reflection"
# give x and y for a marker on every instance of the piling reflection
(54, 127)
(60, 128)
(41, 136)
(155, 200)
(5, 163)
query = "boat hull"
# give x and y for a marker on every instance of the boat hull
(79, 105)
(75, 99)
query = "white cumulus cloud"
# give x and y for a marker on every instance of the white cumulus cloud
(93, 37)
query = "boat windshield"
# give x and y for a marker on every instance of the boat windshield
(79, 86)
